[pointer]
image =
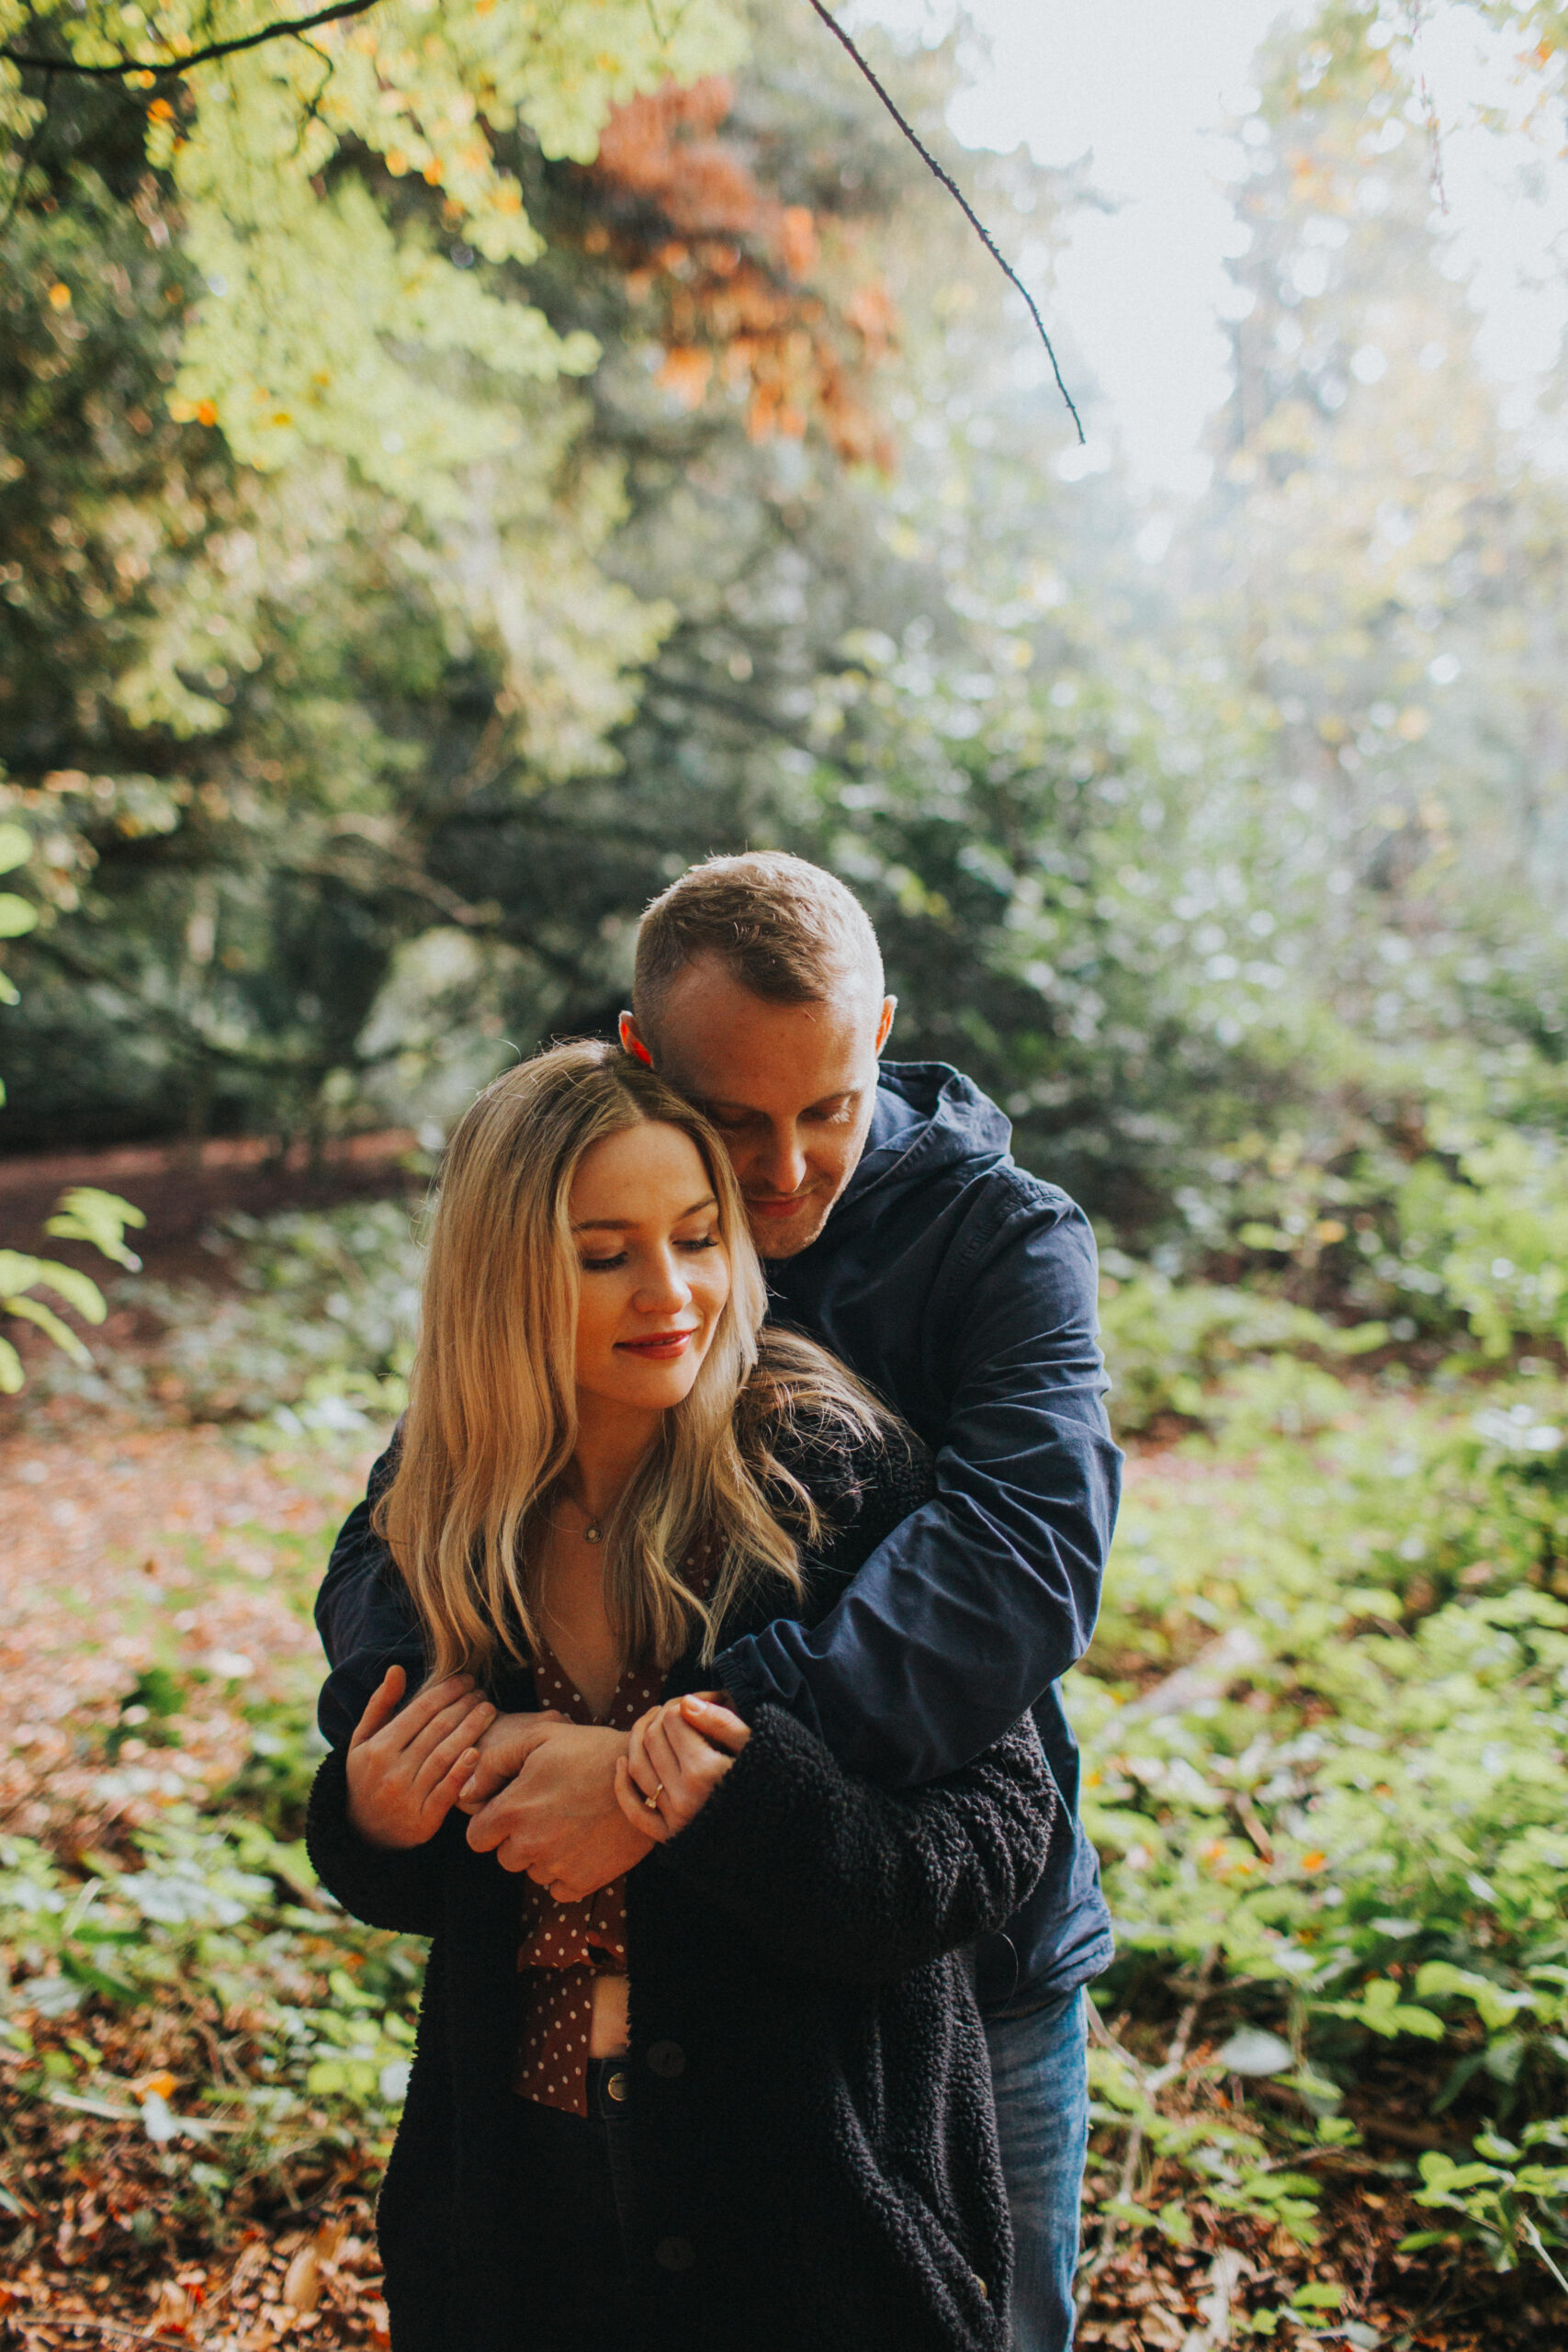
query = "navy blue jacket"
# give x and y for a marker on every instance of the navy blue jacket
(963, 1291)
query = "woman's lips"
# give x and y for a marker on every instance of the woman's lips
(659, 1347)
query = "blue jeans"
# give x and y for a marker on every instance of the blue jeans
(1040, 2079)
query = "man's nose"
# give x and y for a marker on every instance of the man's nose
(782, 1165)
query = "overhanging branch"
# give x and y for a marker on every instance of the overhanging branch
(161, 68)
(951, 185)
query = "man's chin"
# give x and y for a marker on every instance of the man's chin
(787, 1237)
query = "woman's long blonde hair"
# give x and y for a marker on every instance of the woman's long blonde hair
(492, 1422)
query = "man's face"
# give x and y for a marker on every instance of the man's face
(789, 1087)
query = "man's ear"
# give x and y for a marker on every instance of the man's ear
(885, 1021)
(632, 1041)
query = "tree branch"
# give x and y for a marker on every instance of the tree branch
(951, 185)
(278, 31)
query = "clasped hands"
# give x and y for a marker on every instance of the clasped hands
(572, 1805)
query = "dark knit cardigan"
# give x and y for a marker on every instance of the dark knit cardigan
(813, 2133)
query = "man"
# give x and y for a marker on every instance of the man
(898, 1230)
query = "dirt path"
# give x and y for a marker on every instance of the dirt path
(175, 1549)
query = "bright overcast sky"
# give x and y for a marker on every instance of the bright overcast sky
(1152, 90)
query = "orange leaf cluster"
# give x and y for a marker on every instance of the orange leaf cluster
(724, 265)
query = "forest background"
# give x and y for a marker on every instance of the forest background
(459, 464)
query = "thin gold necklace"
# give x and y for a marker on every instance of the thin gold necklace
(593, 1532)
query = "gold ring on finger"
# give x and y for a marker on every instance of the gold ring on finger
(652, 1803)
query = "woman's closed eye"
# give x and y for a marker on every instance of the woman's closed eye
(692, 1245)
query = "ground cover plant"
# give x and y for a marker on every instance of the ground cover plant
(1323, 1726)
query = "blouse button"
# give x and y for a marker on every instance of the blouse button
(674, 2254)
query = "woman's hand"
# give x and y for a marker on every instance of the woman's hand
(407, 1764)
(678, 1755)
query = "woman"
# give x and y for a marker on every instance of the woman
(741, 2096)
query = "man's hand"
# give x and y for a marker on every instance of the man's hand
(558, 1820)
(407, 1764)
(504, 1749)
(676, 1758)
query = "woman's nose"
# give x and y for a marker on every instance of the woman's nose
(664, 1288)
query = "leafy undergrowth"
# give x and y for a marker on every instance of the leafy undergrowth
(201, 2059)
(308, 1324)
(1323, 1726)
(1326, 1725)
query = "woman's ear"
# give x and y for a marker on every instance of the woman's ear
(631, 1041)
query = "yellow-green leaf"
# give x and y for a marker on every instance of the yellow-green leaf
(33, 1310)
(85, 1214)
(78, 1290)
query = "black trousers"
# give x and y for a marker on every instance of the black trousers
(580, 2230)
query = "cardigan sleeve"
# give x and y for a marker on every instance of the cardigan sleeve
(846, 1880)
(363, 1614)
(396, 1888)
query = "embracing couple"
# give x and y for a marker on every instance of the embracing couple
(695, 1660)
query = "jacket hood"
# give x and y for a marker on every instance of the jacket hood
(928, 1118)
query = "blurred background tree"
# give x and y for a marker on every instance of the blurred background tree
(706, 489)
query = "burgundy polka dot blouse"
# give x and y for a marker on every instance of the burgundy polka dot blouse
(566, 1945)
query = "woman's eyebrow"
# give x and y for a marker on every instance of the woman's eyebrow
(630, 1223)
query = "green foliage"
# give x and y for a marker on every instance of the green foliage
(321, 1334)
(330, 318)
(1230, 2165)
(19, 1277)
(17, 916)
(1495, 1235)
(100, 1219)
(1167, 1342)
(83, 1214)
(1511, 2201)
(1349, 1783)
(1325, 1728)
(217, 1910)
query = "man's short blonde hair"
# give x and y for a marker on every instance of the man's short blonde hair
(786, 931)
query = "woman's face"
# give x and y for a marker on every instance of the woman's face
(655, 1269)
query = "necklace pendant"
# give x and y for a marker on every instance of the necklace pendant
(593, 1532)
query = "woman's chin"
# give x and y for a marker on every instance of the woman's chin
(645, 1387)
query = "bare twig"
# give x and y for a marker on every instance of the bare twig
(160, 68)
(1417, 9)
(79, 2323)
(1527, 2230)
(1151, 2081)
(951, 185)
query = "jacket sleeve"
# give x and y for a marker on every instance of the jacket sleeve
(396, 1888)
(364, 1616)
(962, 1619)
(848, 1881)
